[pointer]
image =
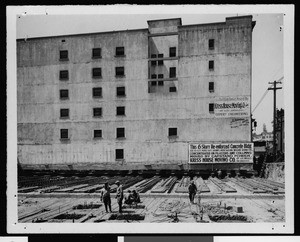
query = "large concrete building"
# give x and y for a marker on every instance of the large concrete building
(136, 99)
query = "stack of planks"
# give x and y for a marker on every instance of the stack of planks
(165, 186)
(247, 186)
(183, 185)
(201, 185)
(222, 185)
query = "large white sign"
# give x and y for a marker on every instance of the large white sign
(220, 153)
(230, 107)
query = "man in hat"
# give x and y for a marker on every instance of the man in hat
(192, 191)
(105, 197)
(119, 195)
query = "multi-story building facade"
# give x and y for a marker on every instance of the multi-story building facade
(136, 98)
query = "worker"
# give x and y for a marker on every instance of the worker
(136, 197)
(105, 197)
(129, 199)
(219, 172)
(119, 195)
(192, 191)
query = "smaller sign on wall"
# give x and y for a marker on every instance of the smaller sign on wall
(220, 153)
(230, 107)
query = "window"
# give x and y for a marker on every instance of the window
(121, 91)
(120, 51)
(172, 89)
(160, 76)
(63, 55)
(211, 65)
(96, 53)
(160, 62)
(120, 110)
(97, 92)
(97, 112)
(97, 133)
(211, 44)
(64, 113)
(160, 83)
(120, 132)
(211, 107)
(153, 83)
(153, 63)
(120, 71)
(64, 134)
(64, 75)
(172, 131)
(172, 72)
(211, 87)
(172, 51)
(97, 72)
(64, 94)
(119, 154)
(153, 76)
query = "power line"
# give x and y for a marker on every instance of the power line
(263, 96)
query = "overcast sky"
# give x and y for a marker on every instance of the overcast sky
(267, 48)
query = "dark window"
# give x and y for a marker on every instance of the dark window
(211, 107)
(63, 40)
(160, 83)
(211, 86)
(120, 132)
(119, 154)
(172, 89)
(121, 91)
(64, 133)
(97, 92)
(97, 72)
(64, 93)
(153, 83)
(160, 62)
(121, 110)
(160, 76)
(153, 76)
(64, 75)
(97, 112)
(120, 51)
(96, 53)
(97, 133)
(153, 63)
(64, 113)
(120, 71)
(172, 72)
(211, 65)
(211, 44)
(63, 55)
(172, 131)
(172, 51)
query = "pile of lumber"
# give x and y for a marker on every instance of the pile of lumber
(165, 186)
(222, 185)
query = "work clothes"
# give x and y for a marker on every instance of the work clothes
(120, 197)
(192, 191)
(105, 197)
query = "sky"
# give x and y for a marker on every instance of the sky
(267, 40)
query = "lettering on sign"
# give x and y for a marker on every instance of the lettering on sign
(231, 107)
(221, 153)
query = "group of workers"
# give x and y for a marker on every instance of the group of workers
(133, 196)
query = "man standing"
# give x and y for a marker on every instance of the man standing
(192, 191)
(119, 195)
(105, 197)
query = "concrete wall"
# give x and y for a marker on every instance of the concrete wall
(148, 115)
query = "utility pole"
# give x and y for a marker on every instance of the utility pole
(274, 115)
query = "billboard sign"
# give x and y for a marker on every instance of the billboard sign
(220, 153)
